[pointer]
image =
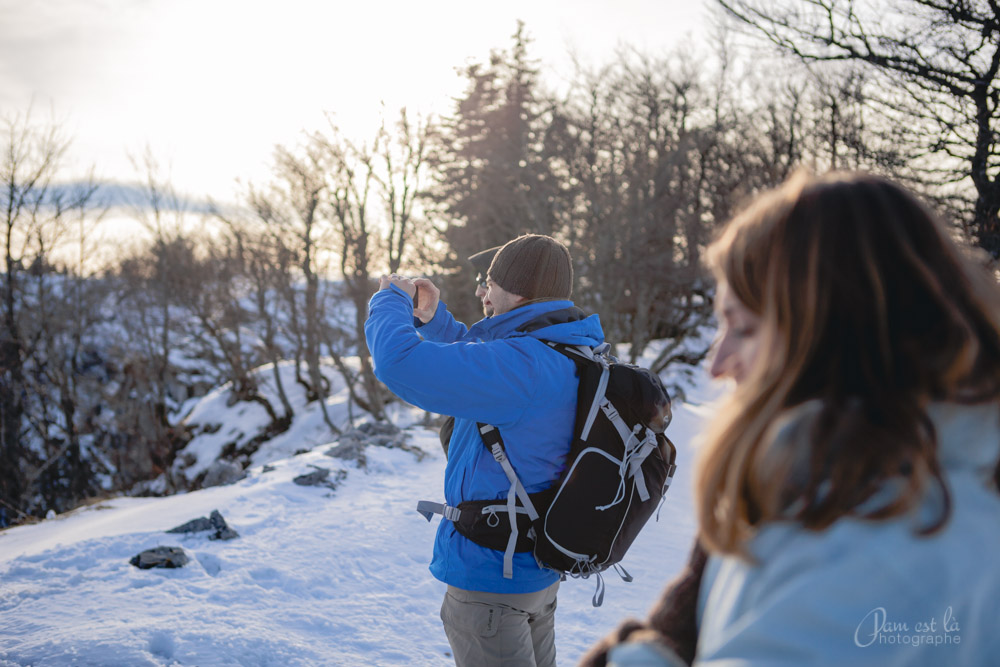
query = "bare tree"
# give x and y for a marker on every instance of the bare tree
(370, 201)
(65, 311)
(403, 154)
(937, 63)
(161, 211)
(290, 207)
(352, 178)
(38, 400)
(639, 158)
(267, 262)
(156, 289)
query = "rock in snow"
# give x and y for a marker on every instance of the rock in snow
(223, 472)
(214, 522)
(169, 557)
(320, 477)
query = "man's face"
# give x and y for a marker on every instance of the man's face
(481, 295)
(498, 301)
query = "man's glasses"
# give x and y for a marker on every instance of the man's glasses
(481, 281)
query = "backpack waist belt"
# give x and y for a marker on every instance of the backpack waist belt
(487, 522)
(493, 524)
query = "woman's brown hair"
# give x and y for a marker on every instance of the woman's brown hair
(868, 312)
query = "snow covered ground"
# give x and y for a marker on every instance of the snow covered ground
(317, 576)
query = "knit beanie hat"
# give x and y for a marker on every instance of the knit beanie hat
(535, 267)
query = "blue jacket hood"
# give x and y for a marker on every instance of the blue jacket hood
(556, 321)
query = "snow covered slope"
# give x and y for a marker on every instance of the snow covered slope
(318, 576)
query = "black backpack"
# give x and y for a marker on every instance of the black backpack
(618, 469)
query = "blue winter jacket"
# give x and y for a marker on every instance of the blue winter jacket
(488, 373)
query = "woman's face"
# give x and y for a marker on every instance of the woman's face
(739, 336)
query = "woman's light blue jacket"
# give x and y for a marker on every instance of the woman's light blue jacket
(872, 592)
(489, 373)
(863, 592)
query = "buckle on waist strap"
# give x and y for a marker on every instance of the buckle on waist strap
(427, 509)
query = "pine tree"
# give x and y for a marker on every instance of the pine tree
(495, 179)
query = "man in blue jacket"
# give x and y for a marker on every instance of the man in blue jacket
(496, 373)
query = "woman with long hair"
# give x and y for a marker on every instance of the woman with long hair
(848, 490)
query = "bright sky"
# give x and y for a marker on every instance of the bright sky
(211, 86)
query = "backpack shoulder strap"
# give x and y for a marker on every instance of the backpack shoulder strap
(577, 353)
(586, 357)
(494, 443)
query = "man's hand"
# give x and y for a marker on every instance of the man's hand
(424, 293)
(428, 296)
(402, 282)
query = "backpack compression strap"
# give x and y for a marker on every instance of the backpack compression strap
(494, 443)
(636, 450)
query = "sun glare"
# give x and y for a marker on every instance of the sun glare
(212, 87)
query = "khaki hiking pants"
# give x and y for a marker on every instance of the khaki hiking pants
(501, 629)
